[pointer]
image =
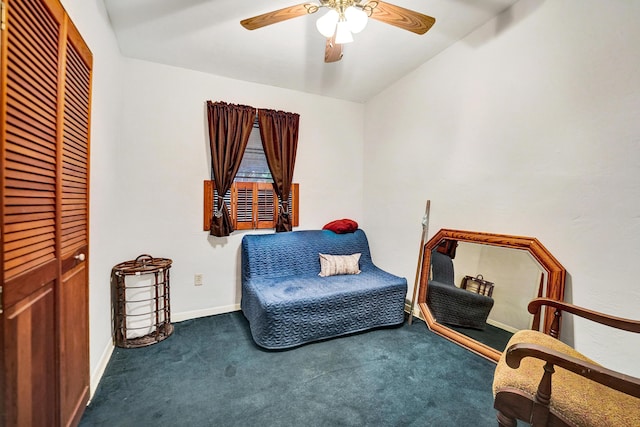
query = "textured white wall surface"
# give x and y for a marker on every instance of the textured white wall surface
(150, 157)
(528, 126)
(165, 158)
(104, 244)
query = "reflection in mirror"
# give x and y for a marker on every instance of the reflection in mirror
(511, 276)
(475, 287)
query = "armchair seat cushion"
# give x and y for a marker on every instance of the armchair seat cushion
(459, 307)
(450, 304)
(572, 396)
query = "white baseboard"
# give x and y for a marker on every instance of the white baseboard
(187, 315)
(99, 371)
(416, 311)
(502, 326)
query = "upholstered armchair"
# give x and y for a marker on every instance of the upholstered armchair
(450, 304)
(545, 382)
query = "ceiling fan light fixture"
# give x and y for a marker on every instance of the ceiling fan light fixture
(357, 19)
(345, 18)
(326, 24)
(343, 35)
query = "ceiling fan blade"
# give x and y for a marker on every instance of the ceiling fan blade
(274, 17)
(332, 50)
(400, 17)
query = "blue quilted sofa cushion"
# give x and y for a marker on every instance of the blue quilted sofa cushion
(288, 304)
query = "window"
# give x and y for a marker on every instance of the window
(252, 202)
(254, 167)
(252, 205)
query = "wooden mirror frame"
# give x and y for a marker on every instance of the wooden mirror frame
(554, 284)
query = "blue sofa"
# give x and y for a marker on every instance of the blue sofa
(288, 304)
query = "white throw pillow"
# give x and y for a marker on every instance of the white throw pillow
(331, 265)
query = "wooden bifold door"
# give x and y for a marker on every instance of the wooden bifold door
(45, 113)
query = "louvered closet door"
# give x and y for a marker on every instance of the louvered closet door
(74, 232)
(73, 209)
(30, 262)
(44, 333)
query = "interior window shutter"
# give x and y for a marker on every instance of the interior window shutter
(266, 205)
(242, 205)
(293, 204)
(253, 205)
(211, 203)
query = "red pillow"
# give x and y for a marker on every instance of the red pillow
(342, 226)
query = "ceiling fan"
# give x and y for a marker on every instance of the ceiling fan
(344, 18)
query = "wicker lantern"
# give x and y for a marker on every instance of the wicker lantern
(140, 297)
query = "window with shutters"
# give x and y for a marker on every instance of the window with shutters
(252, 205)
(252, 202)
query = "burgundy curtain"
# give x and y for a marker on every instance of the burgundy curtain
(229, 129)
(279, 133)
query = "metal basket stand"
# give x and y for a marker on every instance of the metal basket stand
(140, 297)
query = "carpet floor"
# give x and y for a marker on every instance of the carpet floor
(210, 373)
(492, 336)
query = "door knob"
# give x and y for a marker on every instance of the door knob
(79, 257)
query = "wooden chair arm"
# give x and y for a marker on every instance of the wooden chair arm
(612, 379)
(605, 319)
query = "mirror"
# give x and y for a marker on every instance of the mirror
(475, 287)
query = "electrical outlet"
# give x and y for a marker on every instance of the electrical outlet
(197, 279)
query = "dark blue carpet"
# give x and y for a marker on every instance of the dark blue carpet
(492, 336)
(210, 373)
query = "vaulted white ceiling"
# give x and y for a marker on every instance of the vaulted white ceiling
(206, 35)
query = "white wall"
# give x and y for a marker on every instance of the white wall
(91, 20)
(528, 126)
(165, 159)
(149, 157)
